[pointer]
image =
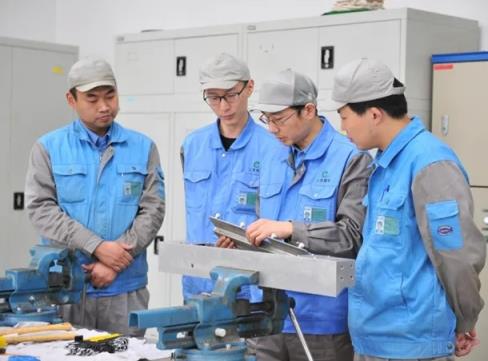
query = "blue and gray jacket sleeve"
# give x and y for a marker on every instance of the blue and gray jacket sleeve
(341, 238)
(455, 246)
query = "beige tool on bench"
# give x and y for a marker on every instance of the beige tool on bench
(43, 333)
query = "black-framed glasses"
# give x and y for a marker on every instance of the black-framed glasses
(230, 98)
(277, 120)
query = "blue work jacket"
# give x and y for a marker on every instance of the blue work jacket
(221, 183)
(398, 308)
(309, 198)
(104, 200)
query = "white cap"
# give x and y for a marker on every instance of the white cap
(89, 73)
(285, 89)
(363, 80)
(223, 72)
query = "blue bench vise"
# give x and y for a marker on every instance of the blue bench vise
(213, 326)
(53, 278)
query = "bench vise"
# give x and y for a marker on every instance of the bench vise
(53, 278)
(212, 326)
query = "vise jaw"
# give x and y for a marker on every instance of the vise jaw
(212, 326)
(53, 278)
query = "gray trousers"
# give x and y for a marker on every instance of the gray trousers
(358, 357)
(109, 314)
(287, 347)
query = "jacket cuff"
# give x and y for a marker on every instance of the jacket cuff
(463, 326)
(299, 234)
(90, 243)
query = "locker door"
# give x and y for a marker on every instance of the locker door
(144, 67)
(157, 127)
(38, 106)
(6, 240)
(272, 51)
(458, 95)
(184, 124)
(377, 40)
(191, 53)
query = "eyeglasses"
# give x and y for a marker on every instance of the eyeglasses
(276, 121)
(230, 98)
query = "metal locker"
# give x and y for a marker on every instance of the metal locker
(36, 81)
(144, 67)
(190, 52)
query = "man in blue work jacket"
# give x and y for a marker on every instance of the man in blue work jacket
(222, 161)
(311, 197)
(417, 288)
(97, 187)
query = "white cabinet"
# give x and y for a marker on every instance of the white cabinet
(317, 46)
(145, 67)
(32, 95)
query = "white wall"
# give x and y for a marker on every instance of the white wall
(93, 24)
(28, 19)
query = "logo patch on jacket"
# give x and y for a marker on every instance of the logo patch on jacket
(256, 165)
(324, 178)
(387, 225)
(444, 230)
(132, 189)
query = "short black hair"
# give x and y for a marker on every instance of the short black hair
(299, 108)
(394, 105)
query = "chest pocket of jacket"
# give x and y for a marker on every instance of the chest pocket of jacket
(197, 186)
(71, 182)
(269, 200)
(317, 203)
(245, 192)
(388, 220)
(131, 182)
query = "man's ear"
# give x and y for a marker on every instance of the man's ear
(70, 99)
(376, 114)
(250, 87)
(310, 110)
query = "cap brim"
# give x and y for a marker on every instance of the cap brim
(90, 86)
(270, 108)
(219, 84)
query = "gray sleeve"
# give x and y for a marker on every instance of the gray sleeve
(151, 211)
(341, 238)
(50, 221)
(457, 268)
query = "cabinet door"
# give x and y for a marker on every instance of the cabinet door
(157, 127)
(269, 52)
(144, 67)
(458, 116)
(38, 106)
(6, 241)
(191, 53)
(377, 40)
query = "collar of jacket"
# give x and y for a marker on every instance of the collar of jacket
(118, 134)
(241, 140)
(384, 158)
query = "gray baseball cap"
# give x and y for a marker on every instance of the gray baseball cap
(223, 72)
(363, 80)
(89, 73)
(285, 89)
